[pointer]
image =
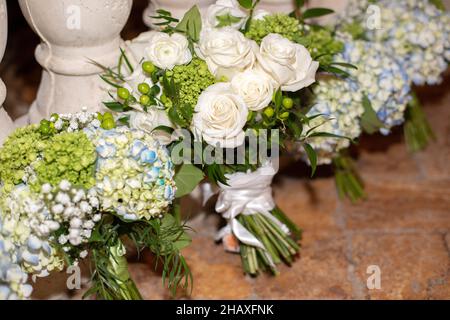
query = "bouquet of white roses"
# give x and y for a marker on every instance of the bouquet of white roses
(231, 77)
(81, 185)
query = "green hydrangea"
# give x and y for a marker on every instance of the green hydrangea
(322, 44)
(19, 150)
(279, 23)
(192, 79)
(68, 156)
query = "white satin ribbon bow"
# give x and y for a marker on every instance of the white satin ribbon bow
(247, 193)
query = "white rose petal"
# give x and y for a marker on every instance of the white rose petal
(255, 87)
(220, 116)
(288, 63)
(166, 51)
(147, 121)
(226, 51)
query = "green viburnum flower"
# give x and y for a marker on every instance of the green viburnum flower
(19, 150)
(68, 156)
(192, 79)
(279, 23)
(321, 43)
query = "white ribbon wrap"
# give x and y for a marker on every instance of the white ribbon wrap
(247, 193)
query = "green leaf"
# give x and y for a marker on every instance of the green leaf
(114, 106)
(299, 3)
(125, 120)
(369, 120)
(344, 64)
(227, 20)
(335, 70)
(316, 12)
(278, 98)
(247, 4)
(312, 156)
(178, 241)
(417, 129)
(438, 4)
(191, 24)
(166, 129)
(187, 178)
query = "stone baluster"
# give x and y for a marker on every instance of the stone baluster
(6, 124)
(73, 34)
(177, 7)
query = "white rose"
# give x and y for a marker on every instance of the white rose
(148, 121)
(226, 51)
(255, 87)
(288, 63)
(223, 8)
(220, 116)
(166, 51)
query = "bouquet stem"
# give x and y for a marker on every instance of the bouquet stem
(417, 129)
(123, 287)
(348, 182)
(279, 246)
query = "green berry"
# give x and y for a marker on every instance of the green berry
(107, 115)
(44, 127)
(144, 100)
(284, 115)
(108, 124)
(288, 103)
(99, 116)
(148, 67)
(269, 112)
(144, 88)
(123, 93)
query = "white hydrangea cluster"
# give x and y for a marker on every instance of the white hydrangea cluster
(75, 209)
(13, 281)
(416, 32)
(134, 173)
(75, 121)
(340, 104)
(381, 78)
(28, 224)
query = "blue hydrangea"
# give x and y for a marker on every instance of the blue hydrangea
(340, 104)
(416, 33)
(13, 280)
(134, 173)
(381, 78)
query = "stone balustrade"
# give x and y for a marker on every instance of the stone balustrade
(6, 124)
(74, 33)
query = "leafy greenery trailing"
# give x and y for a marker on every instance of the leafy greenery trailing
(164, 237)
(417, 130)
(348, 181)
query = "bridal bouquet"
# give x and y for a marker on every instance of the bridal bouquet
(82, 185)
(393, 45)
(413, 34)
(211, 86)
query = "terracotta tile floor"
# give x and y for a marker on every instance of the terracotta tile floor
(403, 227)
